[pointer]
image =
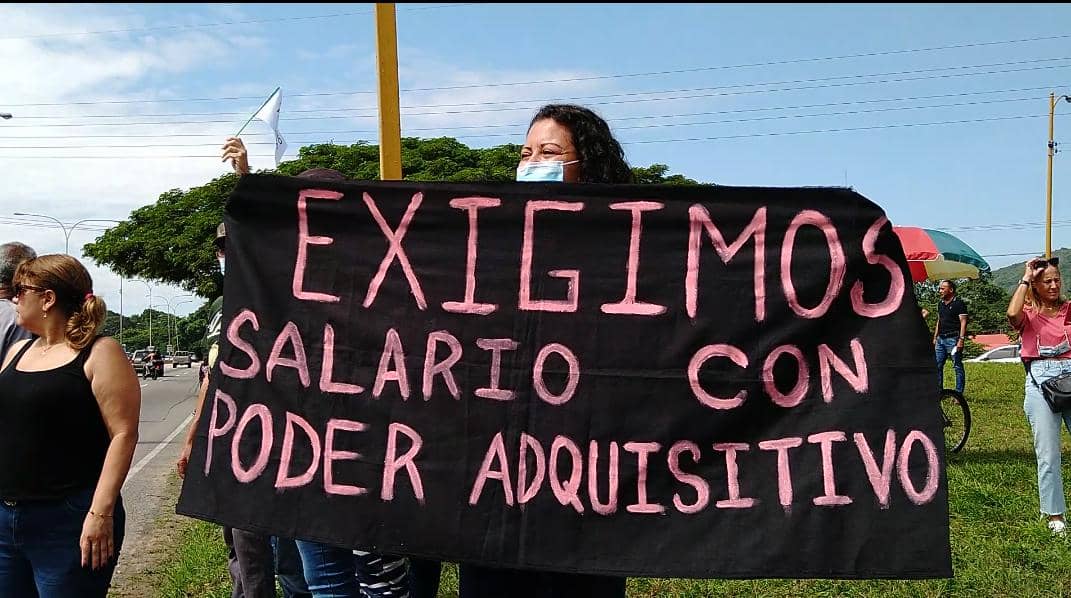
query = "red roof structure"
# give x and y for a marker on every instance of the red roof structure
(992, 341)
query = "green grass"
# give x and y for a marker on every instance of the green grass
(999, 545)
(198, 566)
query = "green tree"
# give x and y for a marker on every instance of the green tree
(656, 174)
(170, 240)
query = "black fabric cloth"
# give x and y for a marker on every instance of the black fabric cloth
(613, 380)
(948, 316)
(52, 435)
(485, 582)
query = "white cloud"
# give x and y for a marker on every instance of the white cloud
(157, 65)
(63, 69)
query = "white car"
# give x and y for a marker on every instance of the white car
(182, 358)
(1004, 354)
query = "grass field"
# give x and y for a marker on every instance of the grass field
(999, 545)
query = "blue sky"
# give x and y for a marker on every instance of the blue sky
(772, 71)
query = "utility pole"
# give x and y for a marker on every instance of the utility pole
(1048, 187)
(390, 127)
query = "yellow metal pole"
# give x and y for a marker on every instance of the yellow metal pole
(1048, 187)
(390, 125)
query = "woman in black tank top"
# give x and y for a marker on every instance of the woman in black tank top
(68, 427)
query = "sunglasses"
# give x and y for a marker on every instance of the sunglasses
(22, 288)
(1045, 263)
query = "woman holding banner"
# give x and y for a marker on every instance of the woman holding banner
(70, 409)
(1041, 316)
(569, 144)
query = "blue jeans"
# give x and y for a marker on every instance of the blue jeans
(333, 572)
(1046, 427)
(256, 560)
(289, 569)
(944, 349)
(39, 552)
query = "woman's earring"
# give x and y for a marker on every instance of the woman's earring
(44, 314)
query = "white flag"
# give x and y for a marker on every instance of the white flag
(269, 113)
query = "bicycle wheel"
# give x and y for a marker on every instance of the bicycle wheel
(957, 419)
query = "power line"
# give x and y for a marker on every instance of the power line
(681, 140)
(778, 62)
(224, 23)
(623, 118)
(515, 133)
(631, 101)
(591, 97)
(842, 130)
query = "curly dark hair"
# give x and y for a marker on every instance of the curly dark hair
(601, 158)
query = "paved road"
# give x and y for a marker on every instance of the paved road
(166, 410)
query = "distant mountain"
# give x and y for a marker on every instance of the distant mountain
(1009, 276)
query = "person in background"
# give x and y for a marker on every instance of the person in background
(11, 255)
(570, 144)
(1040, 314)
(328, 571)
(70, 405)
(254, 559)
(950, 333)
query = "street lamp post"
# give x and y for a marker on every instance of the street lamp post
(1048, 188)
(169, 312)
(67, 243)
(67, 232)
(178, 304)
(149, 287)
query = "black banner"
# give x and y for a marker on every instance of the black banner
(634, 380)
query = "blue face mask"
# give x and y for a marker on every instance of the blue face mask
(547, 171)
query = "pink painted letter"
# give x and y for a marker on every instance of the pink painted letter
(827, 361)
(830, 498)
(837, 264)
(784, 472)
(735, 355)
(896, 278)
(699, 219)
(289, 334)
(393, 462)
(642, 449)
(304, 240)
(443, 367)
(572, 380)
(496, 346)
(495, 452)
(469, 305)
(733, 476)
(573, 276)
(242, 345)
(331, 455)
(328, 368)
(629, 305)
(243, 474)
(214, 429)
(394, 238)
(702, 489)
(392, 351)
(284, 479)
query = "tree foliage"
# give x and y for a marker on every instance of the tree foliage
(184, 333)
(170, 241)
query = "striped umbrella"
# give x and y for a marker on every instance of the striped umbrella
(936, 255)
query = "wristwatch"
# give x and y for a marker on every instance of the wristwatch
(1026, 282)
